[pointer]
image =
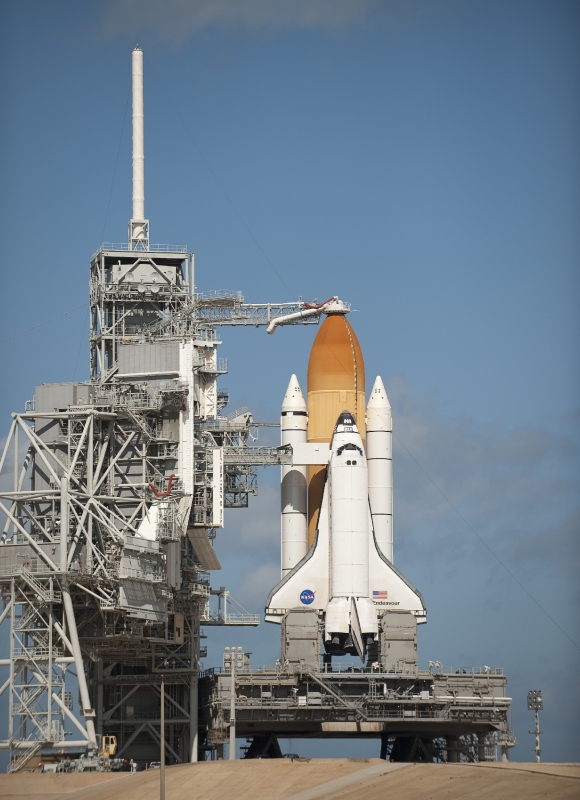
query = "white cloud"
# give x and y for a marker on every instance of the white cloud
(516, 488)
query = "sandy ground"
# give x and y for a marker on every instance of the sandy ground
(317, 779)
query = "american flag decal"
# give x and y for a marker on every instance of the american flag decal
(382, 594)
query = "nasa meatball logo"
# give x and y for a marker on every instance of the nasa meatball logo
(307, 597)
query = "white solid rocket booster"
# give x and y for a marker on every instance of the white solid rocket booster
(380, 466)
(294, 490)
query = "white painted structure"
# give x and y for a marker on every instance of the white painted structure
(345, 574)
(347, 485)
(187, 416)
(294, 479)
(380, 466)
(138, 226)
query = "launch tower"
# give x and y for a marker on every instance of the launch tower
(119, 486)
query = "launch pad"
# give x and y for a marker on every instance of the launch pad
(421, 716)
(108, 531)
(437, 715)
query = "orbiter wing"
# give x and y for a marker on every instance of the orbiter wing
(307, 585)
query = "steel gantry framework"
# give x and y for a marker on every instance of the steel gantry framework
(106, 547)
(119, 486)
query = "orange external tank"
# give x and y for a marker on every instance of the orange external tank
(336, 382)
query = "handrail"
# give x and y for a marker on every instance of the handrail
(152, 248)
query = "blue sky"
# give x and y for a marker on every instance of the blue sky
(418, 159)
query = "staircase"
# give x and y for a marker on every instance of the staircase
(48, 595)
(336, 693)
(20, 760)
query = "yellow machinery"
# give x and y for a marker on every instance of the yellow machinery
(108, 746)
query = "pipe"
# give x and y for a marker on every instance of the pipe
(162, 494)
(63, 636)
(5, 613)
(311, 305)
(308, 312)
(64, 523)
(7, 744)
(76, 647)
(331, 306)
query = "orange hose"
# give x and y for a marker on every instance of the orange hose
(162, 494)
(310, 305)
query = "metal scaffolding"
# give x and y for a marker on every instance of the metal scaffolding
(442, 715)
(107, 541)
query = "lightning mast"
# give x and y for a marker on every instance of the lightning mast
(138, 225)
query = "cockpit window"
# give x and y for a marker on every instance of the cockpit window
(348, 446)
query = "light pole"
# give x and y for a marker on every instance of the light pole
(232, 754)
(234, 660)
(162, 757)
(536, 704)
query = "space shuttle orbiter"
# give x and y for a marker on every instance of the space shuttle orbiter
(346, 574)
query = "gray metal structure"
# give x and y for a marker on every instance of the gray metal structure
(106, 547)
(119, 486)
(421, 716)
(438, 715)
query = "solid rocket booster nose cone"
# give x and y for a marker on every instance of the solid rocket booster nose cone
(378, 410)
(293, 399)
(378, 397)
